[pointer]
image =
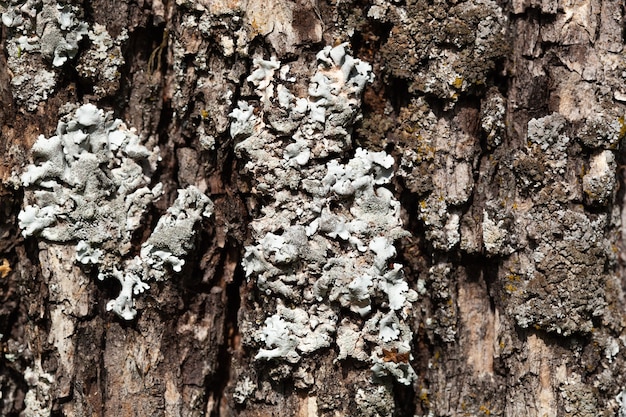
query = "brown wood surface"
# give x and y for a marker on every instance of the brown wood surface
(521, 314)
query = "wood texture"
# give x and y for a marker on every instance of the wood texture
(506, 123)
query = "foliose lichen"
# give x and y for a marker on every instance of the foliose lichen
(325, 238)
(42, 35)
(101, 62)
(89, 185)
(54, 29)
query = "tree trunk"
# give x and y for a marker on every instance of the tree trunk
(312, 208)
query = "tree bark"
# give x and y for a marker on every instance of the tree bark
(487, 280)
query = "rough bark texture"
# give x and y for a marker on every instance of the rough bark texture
(505, 121)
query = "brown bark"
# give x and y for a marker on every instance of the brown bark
(505, 121)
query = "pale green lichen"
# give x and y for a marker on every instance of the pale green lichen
(43, 35)
(325, 239)
(90, 185)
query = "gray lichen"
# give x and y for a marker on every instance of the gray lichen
(559, 267)
(42, 35)
(39, 398)
(602, 130)
(621, 401)
(243, 390)
(442, 49)
(90, 184)
(374, 401)
(556, 245)
(101, 62)
(59, 42)
(325, 238)
(436, 165)
(492, 114)
(599, 182)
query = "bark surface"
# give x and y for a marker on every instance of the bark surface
(504, 295)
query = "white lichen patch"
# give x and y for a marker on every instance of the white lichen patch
(374, 401)
(292, 332)
(493, 234)
(492, 116)
(325, 240)
(33, 86)
(441, 221)
(89, 185)
(39, 398)
(243, 390)
(43, 35)
(621, 401)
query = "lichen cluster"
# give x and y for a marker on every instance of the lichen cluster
(436, 165)
(322, 254)
(442, 49)
(557, 245)
(43, 35)
(89, 185)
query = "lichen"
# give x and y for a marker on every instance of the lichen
(559, 266)
(553, 231)
(599, 182)
(55, 28)
(442, 49)
(243, 390)
(439, 175)
(101, 62)
(602, 130)
(492, 114)
(621, 401)
(90, 184)
(543, 163)
(325, 238)
(374, 401)
(43, 35)
(39, 398)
